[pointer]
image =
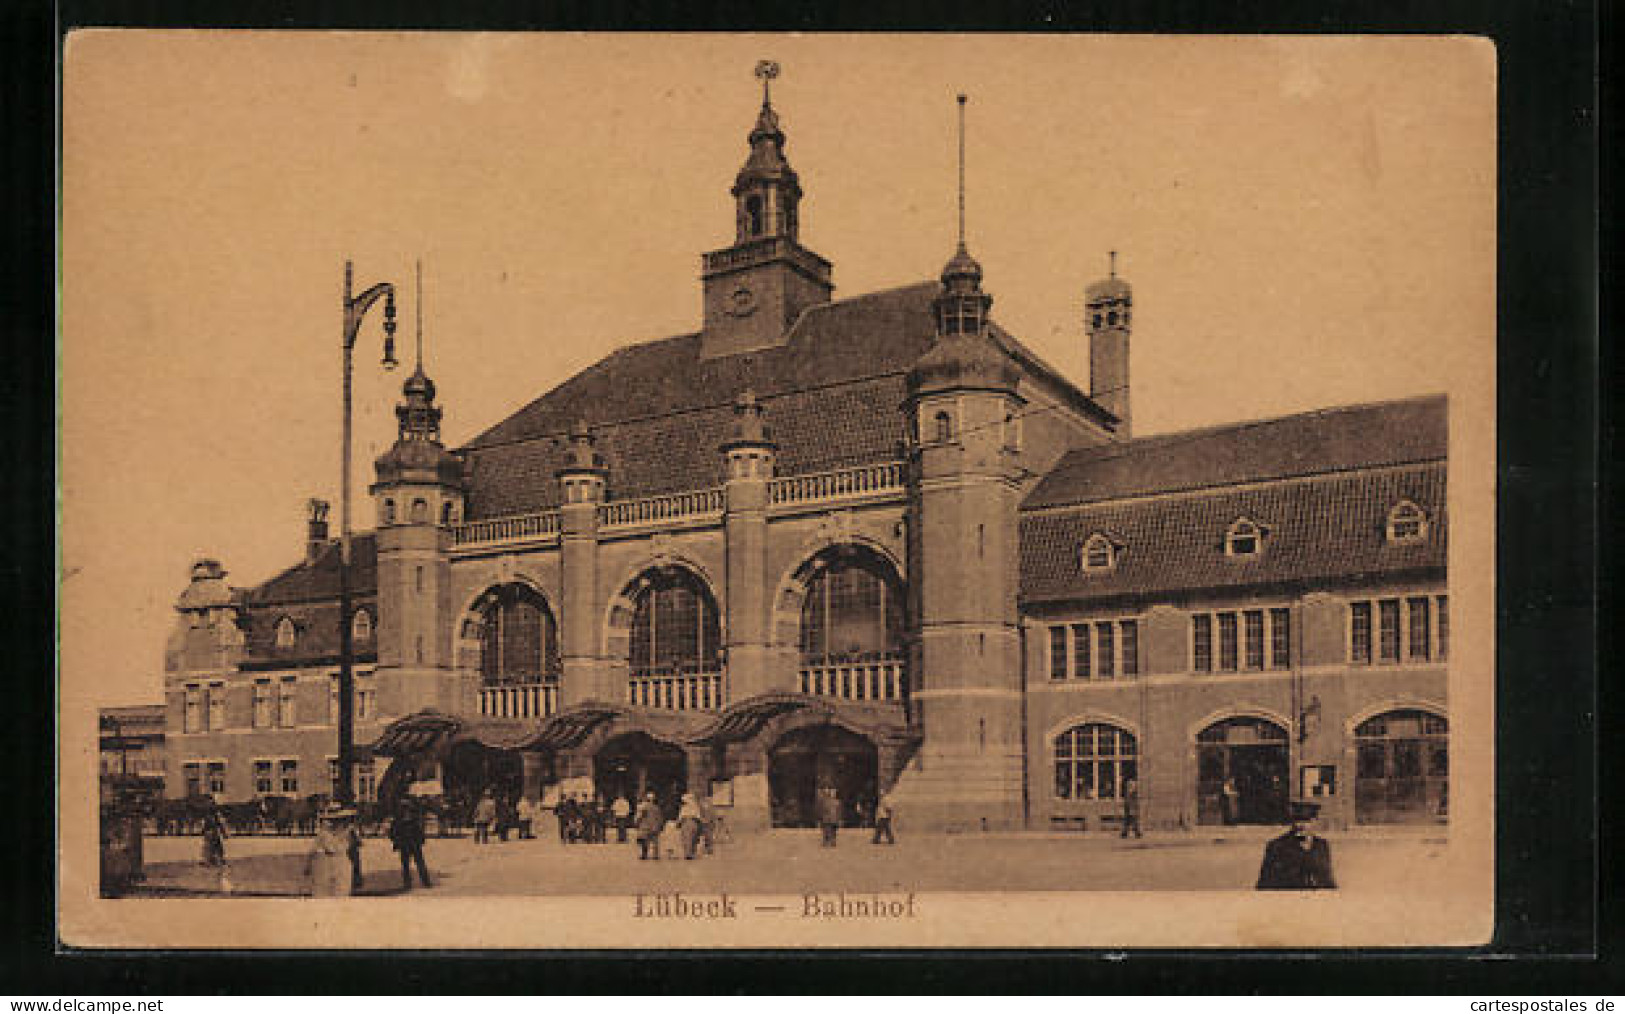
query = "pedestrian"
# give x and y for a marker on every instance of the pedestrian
(1299, 860)
(688, 824)
(1131, 807)
(829, 815)
(1232, 801)
(883, 817)
(592, 819)
(621, 810)
(485, 814)
(335, 853)
(406, 834)
(649, 822)
(526, 815)
(214, 835)
(708, 823)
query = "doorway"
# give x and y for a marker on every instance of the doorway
(807, 760)
(1242, 772)
(636, 763)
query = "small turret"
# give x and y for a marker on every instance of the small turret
(1108, 308)
(583, 475)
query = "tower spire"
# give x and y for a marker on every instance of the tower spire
(962, 101)
(420, 315)
(1113, 263)
(767, 70)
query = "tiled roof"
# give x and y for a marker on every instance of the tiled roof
(831, 396)
(308, 594)
(1323, 527)
(1330, 440)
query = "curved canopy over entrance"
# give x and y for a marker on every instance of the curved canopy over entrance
(1402, 768)
(809, 759)
(1242, 772)
(636, 763)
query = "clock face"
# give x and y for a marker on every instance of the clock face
(741, 302)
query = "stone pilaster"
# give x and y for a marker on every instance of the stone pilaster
(749, 450)
(582, 480)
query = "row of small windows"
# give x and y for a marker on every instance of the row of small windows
(361, 626)
(418, 514)
(1406, 524)
(275, 704)
(1248, 639)
(1110, 318)
(275, 776)
(1099, 650)
(1415, 628)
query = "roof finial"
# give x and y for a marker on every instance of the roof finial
(420, 315)
(962, 101)
(767, 70)
(1114, 263)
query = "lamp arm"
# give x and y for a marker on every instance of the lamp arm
(356, 308)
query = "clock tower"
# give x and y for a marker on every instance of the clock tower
(756, 288)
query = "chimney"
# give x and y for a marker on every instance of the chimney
(315, 528)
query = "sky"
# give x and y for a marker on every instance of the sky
(1306, 222)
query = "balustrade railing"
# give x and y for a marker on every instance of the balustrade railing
(865, 479)
(855, 681)
(678, 691)
(653, 509)
(506, 529)
(519, 700)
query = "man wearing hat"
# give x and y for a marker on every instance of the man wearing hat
(1299, 860)
(406, 833)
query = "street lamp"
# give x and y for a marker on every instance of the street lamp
(355, 307)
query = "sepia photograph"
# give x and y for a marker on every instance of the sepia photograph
(530, 490)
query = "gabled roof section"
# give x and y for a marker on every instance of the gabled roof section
(311, 580)
(1325, 441)
(831, 395)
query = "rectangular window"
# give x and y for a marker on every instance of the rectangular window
(1202, 643)
(1388, 630)
(366, 782)
(286, 713)
(1281, 638)
(1253, 620)
(288, 777)
(1082, 657)
(262, 704)
(1443, 604)
(1106, 657)
(1057, 653)
(194, 709)
(1360, 633)
(1131, 647)
(217, 777)
(262, 778)
(365, 701)
(1227, 642)
(192, 774)
(332, 775)
(217, 705)
(1420, 631)
(333, 699)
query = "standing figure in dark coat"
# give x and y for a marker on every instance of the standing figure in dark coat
(1131, 808)
(406, 834)
(1299, 860)
(829, 815)
(214, 835)
(649, 820)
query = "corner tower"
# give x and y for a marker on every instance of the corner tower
(756, 288)
(419, 495)
(1108, 308)
(965, 679)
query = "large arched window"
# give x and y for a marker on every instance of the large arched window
(675, 628)
(518, 637)
(853, 612)
(1093, 761)
(1402, 767)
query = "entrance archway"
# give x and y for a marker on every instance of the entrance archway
(635, 763)
(809, 759)
(1402, 768)
(1249, 755)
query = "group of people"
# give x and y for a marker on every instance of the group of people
(503, 815)
(586, 820)
(683, 834)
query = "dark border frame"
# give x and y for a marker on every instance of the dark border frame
(1549, 442)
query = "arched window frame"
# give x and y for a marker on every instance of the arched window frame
(287, 633)
(1407, 524)
(943, 426)
(497, 610)
(386, 512)
(1097, 554)
(361, 626)
(1244, 538)
(1093, 760)
(820, 605)
(669, 606)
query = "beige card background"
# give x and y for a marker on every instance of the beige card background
(1306, 221)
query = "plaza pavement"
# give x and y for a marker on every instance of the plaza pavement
(782, 862)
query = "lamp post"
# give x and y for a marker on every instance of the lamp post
(355, 308)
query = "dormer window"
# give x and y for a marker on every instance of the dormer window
(286, 633)
(1245, 538)
(1099, 553)
(361, 626)
(1407, 523)
(945, 427)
